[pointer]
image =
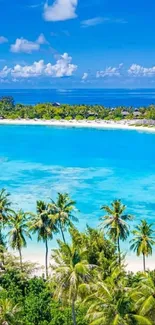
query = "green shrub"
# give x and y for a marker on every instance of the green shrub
(68, 118)
(91, 118)
(46, 117)
(79, 117)
(57, 117)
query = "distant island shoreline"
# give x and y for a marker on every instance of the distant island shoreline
(92, 116)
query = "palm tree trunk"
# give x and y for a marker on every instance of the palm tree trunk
(119, 251)
(46, 259)
(73, 313)
(20, 256)
(144, 266)
(62, 233)
(2, 246)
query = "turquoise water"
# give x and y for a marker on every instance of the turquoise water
(93, 166)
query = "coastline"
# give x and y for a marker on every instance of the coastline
(100, 124)
(132, 262)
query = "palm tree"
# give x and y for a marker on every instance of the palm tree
(70, 270)
(144, 295)
(19, 231)
(115, 222)
(143, 240)
(2, 247)
(62, 209)
(9, 313)
(4, 207)
(4, 213)
(110, 304)
(43, 223)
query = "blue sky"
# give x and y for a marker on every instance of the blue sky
(77, 43)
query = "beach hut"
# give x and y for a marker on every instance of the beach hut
(56, 104)
(125, 113)
(136, 113)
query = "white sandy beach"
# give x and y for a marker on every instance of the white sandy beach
(123, 124)
(133, 263)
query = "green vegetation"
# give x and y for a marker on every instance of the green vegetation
(48, 111)
(86, 282)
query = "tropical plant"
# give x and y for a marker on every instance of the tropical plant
(111, 304)
(100, 251)
(70, 270)
(143, 241)
(116, 222)
(144, 295)
(62, 208)
(43, 223)
(4, 207)
(9, 313)
(18, 224)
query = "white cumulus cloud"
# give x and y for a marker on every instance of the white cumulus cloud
(110, 72)
(62, 68)
(85, 76)
(3, 40)
(23, 45)
(60, 10)
(138, 71)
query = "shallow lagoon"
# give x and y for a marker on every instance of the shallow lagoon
(93, 166)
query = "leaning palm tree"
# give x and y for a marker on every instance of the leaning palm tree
(18, 224)
(9, 313)
(143, 241)
(62, 209)
(116, 222)
(70, 270)
(43, 223)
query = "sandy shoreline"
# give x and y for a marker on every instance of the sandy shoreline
(125, 125)
(132, 262)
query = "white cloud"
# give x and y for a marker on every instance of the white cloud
(85, 76)
(62, 68)
(139, 71)
(92, 22)
(60, 10)
(3, 40)
(41, 39)
(34, 6)
(25, 46)
(110, 72)
(22, 45)
(5, 72)
(100, 20)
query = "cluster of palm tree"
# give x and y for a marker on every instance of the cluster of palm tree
(49, 219)
(57, 216)
(108, 297)
(90, 268)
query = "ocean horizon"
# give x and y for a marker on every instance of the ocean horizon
(106, 97)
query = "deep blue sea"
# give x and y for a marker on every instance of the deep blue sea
(93, 166)
(107, 97)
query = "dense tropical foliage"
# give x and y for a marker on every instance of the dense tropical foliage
(86, 282)
(48, 111)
